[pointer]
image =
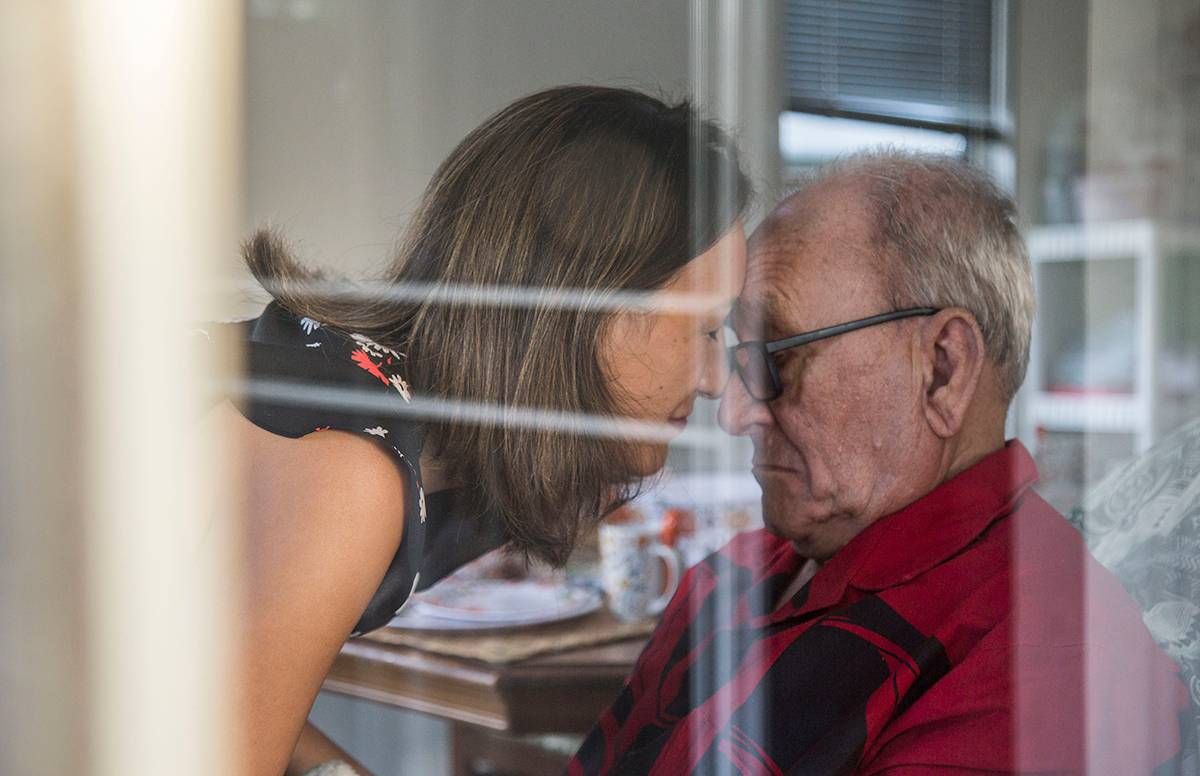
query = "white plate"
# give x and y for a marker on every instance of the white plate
(485, 604)
(492, 600)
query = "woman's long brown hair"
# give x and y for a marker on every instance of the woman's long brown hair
(586, 189)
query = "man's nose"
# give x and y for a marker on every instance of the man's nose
(740, 412)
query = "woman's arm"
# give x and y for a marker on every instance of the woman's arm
(315, 748)
(323, 516)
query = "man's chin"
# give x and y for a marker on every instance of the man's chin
(813, 536)
(815, 549)
(794, 530)
(788, 509)
(819, 538)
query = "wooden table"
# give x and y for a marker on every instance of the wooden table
(492, 705)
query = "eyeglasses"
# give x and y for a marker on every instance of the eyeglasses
(754, 361)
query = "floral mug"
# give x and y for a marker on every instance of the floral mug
(630, 567)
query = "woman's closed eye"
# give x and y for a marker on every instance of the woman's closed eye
(722, 332)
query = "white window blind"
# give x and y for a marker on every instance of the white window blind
(920, 62)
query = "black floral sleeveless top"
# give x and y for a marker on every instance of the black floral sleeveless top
(301, 376)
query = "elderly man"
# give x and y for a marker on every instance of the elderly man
(913, 606)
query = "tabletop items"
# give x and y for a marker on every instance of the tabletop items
(638, 568)
(516, 645)
(635, 566)
(458, 604)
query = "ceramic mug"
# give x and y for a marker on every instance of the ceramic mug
(630, 567)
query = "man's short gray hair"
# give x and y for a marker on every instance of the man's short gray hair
(948, 237)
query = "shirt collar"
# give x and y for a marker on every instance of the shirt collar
(898, 547)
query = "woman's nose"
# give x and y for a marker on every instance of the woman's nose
(715, 370)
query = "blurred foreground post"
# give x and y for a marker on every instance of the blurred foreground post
(118, 194)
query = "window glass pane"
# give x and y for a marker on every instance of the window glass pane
(806, 139)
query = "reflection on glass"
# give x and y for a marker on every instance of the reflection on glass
(503, 501)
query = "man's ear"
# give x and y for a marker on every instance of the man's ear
(954, 357)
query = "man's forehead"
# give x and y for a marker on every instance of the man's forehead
(809, 259)
(775, 249)
(770, 295)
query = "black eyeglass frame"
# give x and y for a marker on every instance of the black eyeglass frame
(766, 350)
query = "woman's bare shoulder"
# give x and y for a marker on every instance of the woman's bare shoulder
(322, 517)
(327, 504)
(323, 469)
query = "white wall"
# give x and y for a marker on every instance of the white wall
(1049, 50)
(1143, 97)
(351, 105)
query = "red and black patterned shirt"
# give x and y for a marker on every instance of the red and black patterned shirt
(969, 632)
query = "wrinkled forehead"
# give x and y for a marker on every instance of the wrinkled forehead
(811, 264)
(770, 298)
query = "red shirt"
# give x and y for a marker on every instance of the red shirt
(968, 632)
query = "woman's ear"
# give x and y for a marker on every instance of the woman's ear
(954, 356)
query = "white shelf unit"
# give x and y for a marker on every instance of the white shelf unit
(1137, 413)
(1113, 414)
